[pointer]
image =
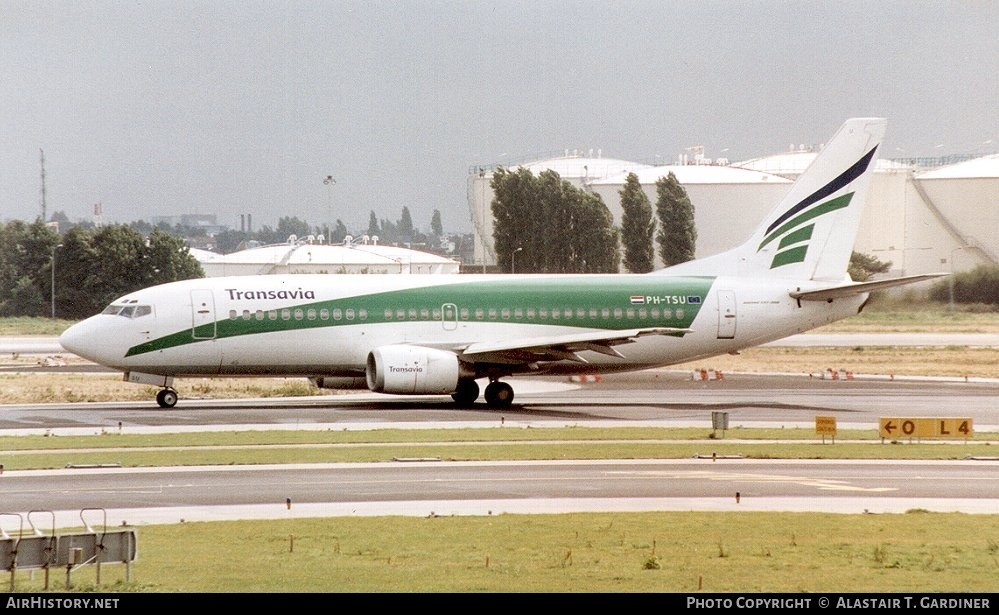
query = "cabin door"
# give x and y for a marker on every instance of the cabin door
(202, 315)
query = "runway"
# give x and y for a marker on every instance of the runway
(642, 399)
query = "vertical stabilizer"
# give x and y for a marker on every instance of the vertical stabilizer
(811, 232)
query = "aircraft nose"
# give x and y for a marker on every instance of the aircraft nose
(80, 340)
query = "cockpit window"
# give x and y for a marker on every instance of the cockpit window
(128, 311)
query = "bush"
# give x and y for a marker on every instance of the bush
(980, 285)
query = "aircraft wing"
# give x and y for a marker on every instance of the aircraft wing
(560, 347)
(856, 288)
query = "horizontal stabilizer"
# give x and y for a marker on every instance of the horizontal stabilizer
(857, 288)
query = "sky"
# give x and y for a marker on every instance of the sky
(231, 107)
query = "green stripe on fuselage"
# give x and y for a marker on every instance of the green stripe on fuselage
(642, 301)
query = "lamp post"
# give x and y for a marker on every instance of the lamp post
(513, 260)
(329, 181)
(52, 267)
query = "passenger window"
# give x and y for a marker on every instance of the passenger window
(246, 314)
(362, 314)
(479, 313)
(464, 313)
(350, 314)
(337, 314)
(324, 314)
(285, 314)
(505, 313)
(388, 314)
(605, 313)
(259, 315)
(618, 313)
(233, 315)
(311, 314)
(679, 314)
(272, 315)
(492, 313)
(424, 313)
(299, 314)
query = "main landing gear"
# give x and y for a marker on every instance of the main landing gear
(167, 398)
(498, 394)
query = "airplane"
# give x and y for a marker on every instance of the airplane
(432, 334)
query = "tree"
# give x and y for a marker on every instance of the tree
(436, 228)
(26, 268)
(677, 234)
(514, 195)
(169, 259)
(373, 227)
(339, 233)
(863, 266)
(594, 240)
(75, 258)
(404, 227)
(119, 266)
(637, 227)
(550, 225)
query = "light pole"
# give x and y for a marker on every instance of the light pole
(329, 181)
(513, 260)
(52, 267)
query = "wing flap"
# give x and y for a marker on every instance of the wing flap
(561, 347)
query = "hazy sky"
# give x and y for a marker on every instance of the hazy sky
(164, 107)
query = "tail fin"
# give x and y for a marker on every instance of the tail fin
(811, 232)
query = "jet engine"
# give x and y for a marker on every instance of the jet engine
(405, 370)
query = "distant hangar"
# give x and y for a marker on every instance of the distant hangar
(924, 216)
(304, 256)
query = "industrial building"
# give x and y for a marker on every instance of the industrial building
(923, 216)
(305, 256)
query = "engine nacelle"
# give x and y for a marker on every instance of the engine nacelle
(340, 382)
(412, 370)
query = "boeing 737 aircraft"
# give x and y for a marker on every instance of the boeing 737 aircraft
(439, 334)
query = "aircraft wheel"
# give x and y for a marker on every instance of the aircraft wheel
(166, 398)
(466, 393)
(499, 394)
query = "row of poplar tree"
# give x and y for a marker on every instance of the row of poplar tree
(545, 224)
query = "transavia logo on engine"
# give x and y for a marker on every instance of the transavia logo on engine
(664, 299)
(405, 369)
